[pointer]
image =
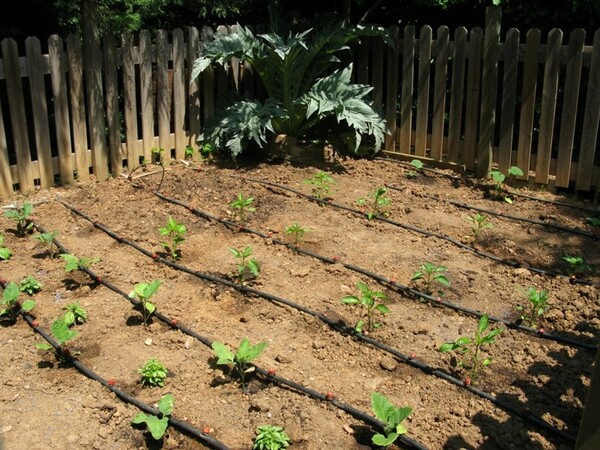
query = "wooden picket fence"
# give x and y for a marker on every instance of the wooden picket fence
(465, 102)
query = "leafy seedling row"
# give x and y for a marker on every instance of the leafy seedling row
(155, 420)
(341, 328)
(398, 287)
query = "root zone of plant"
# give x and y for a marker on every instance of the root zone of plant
(547, 379)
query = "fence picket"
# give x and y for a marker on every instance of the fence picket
(439, 93)
(193, 99)
(146, 94)
(208, 82)
(473, 97)
(130, 102)
(179, 90)
(591, 119)
(509, 99)
(163, 96)
(408, 76)
(6, 183)
(391, 100)
(423, 90)
(111, 83)
(457, 95)
(377, 73)
(569, 109)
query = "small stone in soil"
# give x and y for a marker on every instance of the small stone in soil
(388, 364)
(283, 359)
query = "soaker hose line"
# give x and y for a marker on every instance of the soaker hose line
(207, 342)
(421, 231)
(410, 292)
(506, 216)
(184, 427)
(339, 327)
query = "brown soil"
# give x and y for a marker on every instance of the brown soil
(45, 405)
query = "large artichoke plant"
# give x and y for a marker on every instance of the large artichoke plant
(302, 90)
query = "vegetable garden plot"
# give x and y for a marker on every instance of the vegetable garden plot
(525, 371)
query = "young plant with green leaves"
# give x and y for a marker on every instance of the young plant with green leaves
(429, 274)
(321, 184)
(239, 362)
(21, 215)
(576, 264)
(247, 267)
(30, 285)
(48, 239)
(10, 302)
(296, 231)
(479, 223)
(294, 66)
(153, 373)
(174, 232)
(593, 221)
(157, 424)
(62, 334)
(372, 301)
(375, 202)
(538, 304)
(74, 263)
(270, 437)
(242, 206)
(144, 292)
(75, 314)
(417, 168)
(499, 179)
(157, 155)
(470, 349)
(5, 252)
(392, 418)
(189, 152)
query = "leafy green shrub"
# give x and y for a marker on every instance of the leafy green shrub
(153, 373)
(270, 437)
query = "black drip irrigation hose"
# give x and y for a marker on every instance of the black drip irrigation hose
(410, 292)
(182, 426)
(508, 191)
(339, 327)
(506, 216)
(414, 229)
(174, 323)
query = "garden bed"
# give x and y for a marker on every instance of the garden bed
(533, 391)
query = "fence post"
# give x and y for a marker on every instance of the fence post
(489, 86)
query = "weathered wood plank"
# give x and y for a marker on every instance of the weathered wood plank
(39, 107)
(509, 99)
(362, 66)
(18, 118)
(423, 90)
(473, 99)
(457, 95)
(569, 109)
(549, 92)
(163, 95)
(111, 80)
(377, 73)
(222, 72)
(208, 81)
(591, 120)
(408, 76)
(146, 94)
(392, 88)
(489, 87)
(193, 105)
(528, 102)
(61, 109)
(439, 93)
(130, 101)
(179, 92)
(6, 181)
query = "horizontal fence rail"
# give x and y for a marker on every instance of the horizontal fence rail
(467, 99)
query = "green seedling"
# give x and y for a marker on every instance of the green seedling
(157, 425)
(206, 150)
(296, 231)
(242, 206)
(479, 223)
(153, 373)
(247, 267)
(321, 184)
(372, 301)
(577, 264)
(157, 153)
(62, 335)
(174, 232)
(391, 416)
(470, 349)
(417, 165)
(245, 354)
(429, 274)
(21, 216)
(499, 178)
(593, 221)
(48, 239)
(5, 252)
(75, 314)
(10, 305)
(73, 263)
(270, 437)
(538, 304)
(375, 202)
(30, 285)
(189, 152)
(144, 292)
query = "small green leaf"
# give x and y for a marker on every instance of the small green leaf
(165, 405)
(44, 346)
(487, 362)
(483, 323)
(149, 307)
(140, 418)
(442, 280)
(5, 253)
(447, 347)
(384, 441)
(350, 300)
(382, 309)
(28, 305)
(224, 355)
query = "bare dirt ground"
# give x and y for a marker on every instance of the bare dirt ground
(44, 404)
